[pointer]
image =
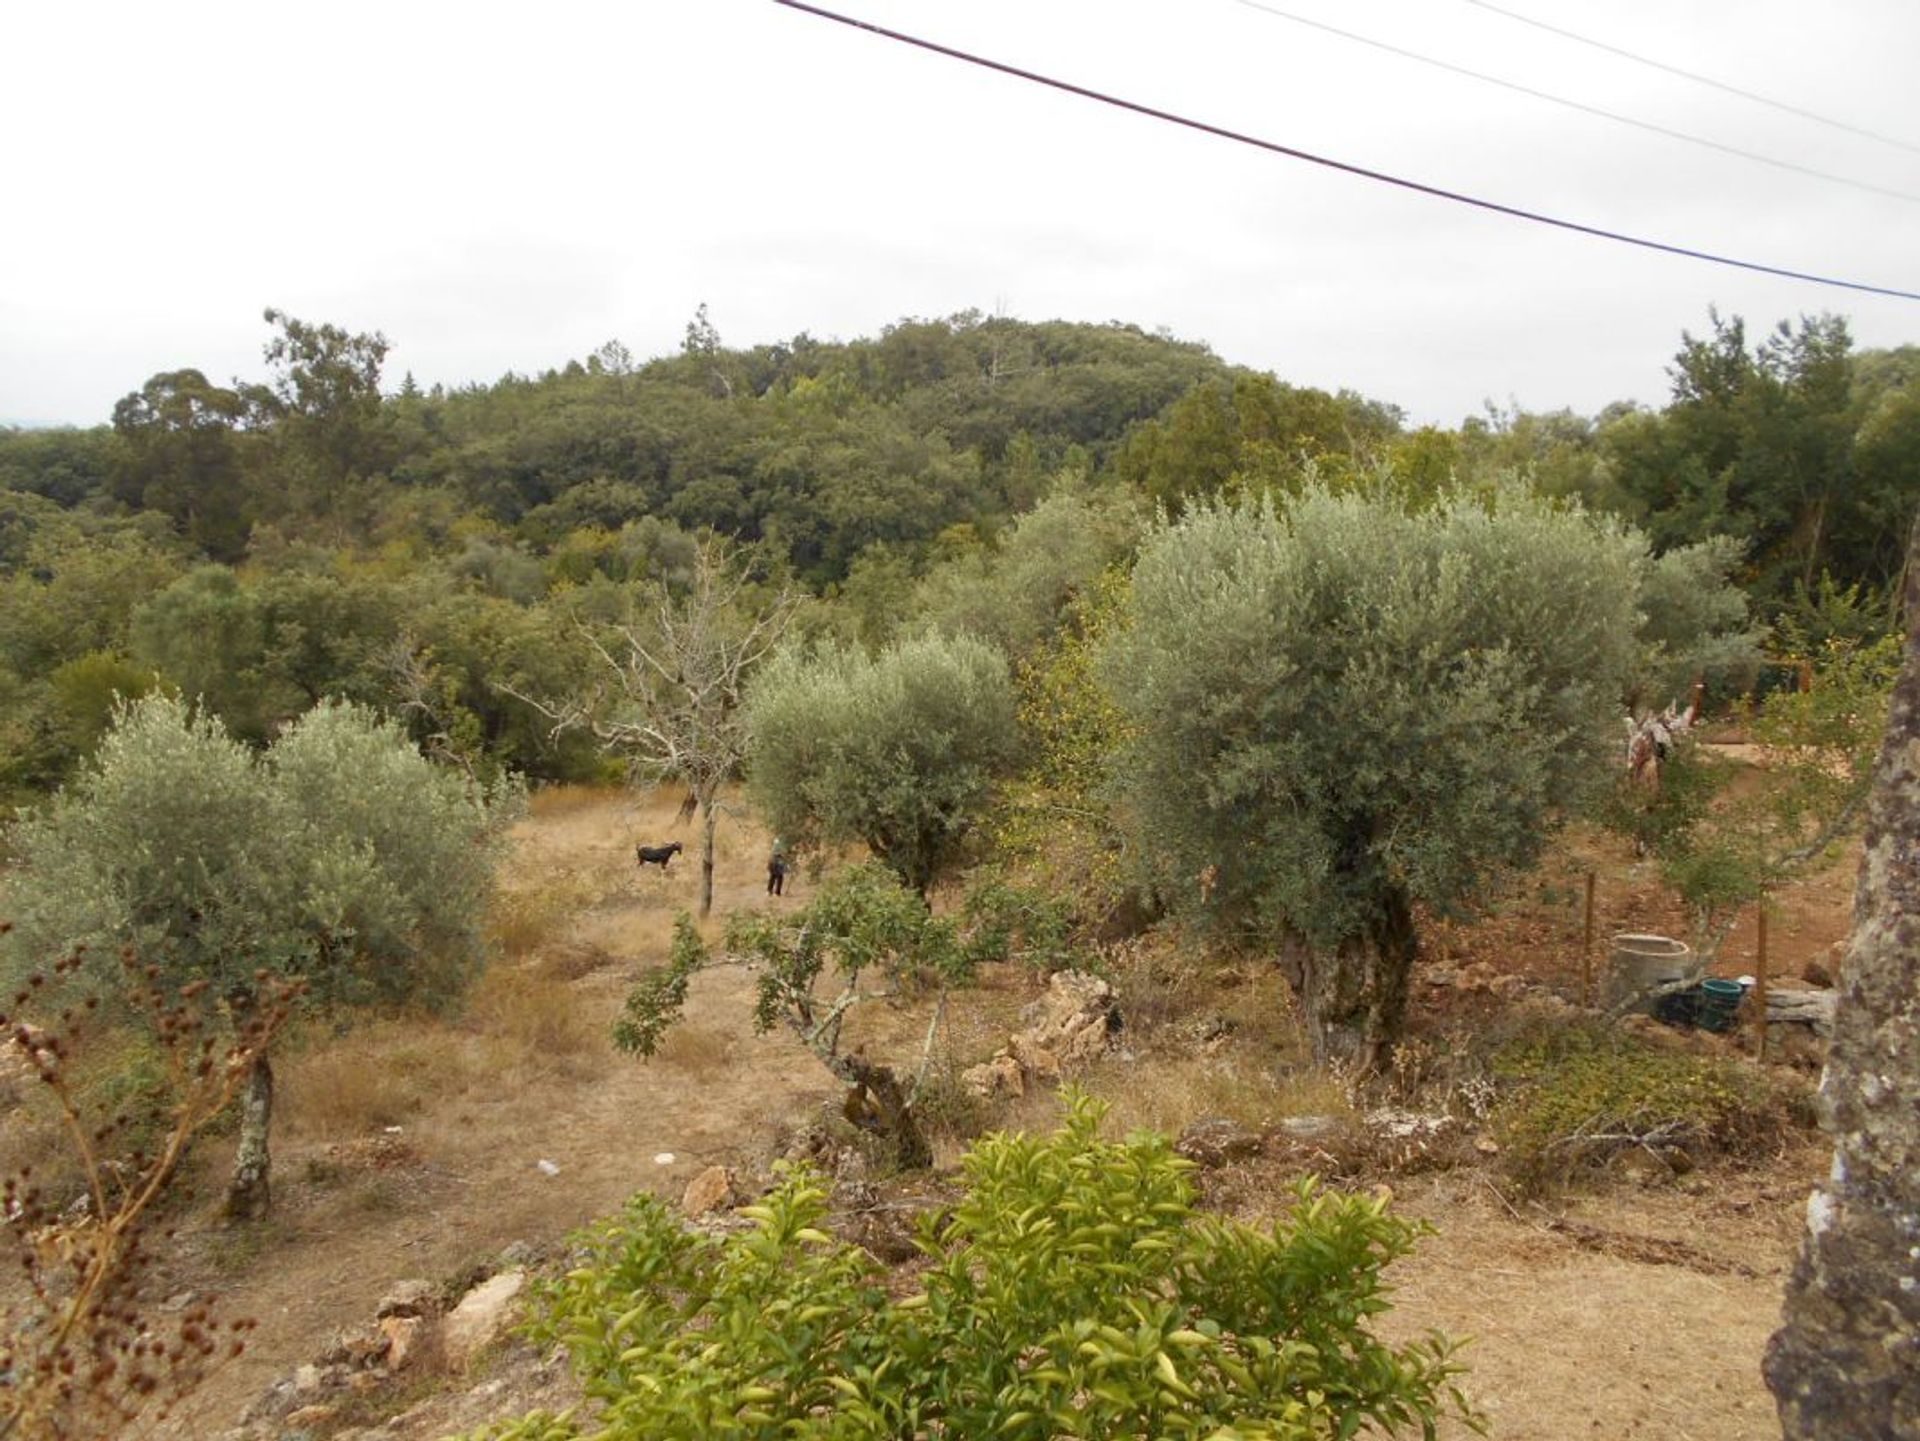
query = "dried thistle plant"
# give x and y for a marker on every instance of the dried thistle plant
(83, 1351)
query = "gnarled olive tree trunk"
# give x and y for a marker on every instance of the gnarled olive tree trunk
(1354, 995)
(1845, 1365)
(248, 1193)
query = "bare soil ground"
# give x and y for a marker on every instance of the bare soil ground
(412, 1148)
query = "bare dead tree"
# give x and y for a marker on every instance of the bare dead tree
(668, 694)
(424, 697)
(1845, 1362)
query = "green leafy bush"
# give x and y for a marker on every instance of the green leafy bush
(1005, 921)
(1072, 1292)
(862, 923)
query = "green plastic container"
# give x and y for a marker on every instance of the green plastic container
(1719, 1003)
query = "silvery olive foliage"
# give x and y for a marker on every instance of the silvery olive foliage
(339, 855)
(899, 751)
(1347, 710)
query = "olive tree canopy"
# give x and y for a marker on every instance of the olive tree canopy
(339, 857)
(1347, 711)
(899, 751)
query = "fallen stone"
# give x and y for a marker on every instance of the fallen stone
(1309, 1128)
(482, 1316)
(406, 1338)
(411, 1297)
(711, 1190)
(1399, 1125)
(1000, 1076)
(317, 1415)
(307, 1379)
(1216, 1141)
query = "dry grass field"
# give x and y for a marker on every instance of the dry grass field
(412, 1146)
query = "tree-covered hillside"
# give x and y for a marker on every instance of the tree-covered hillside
(321, 530)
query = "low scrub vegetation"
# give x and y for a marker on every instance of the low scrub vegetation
(1571, 1097)
(1071, 1292)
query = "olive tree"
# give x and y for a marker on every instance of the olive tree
(339, 858)
(899, 751)
(1843, 1363)
(1346, 712)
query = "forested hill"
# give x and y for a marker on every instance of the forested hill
(822, 448)
(320, 530)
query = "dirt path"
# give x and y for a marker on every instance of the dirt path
(1575, 1338)
(362, 1206)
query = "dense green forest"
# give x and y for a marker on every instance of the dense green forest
(322, 531)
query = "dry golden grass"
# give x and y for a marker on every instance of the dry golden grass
(1168, 1093)
(551, 802)
(537, 1026)
(695, 1050)
(520, 1026)
(379, 1074)
(529, 916)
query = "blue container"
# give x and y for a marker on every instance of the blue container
(1719, 1002)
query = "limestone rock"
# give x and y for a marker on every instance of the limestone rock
(1310, 1128)
(411, 1297)
(482, 1316)
(407, 1338)
(709, 1191)
(1034, 1060)
(1071, 1025)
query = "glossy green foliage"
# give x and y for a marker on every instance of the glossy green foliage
(1073, 1291)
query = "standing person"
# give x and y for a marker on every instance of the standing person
(777, 868)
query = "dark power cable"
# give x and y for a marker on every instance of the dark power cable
(1269, 145)
(1580, 105)
(1700, 79)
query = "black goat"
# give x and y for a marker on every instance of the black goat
(657, 855)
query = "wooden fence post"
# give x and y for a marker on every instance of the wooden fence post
(1760, 979)
(1586, 951)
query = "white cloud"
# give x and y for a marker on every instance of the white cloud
(500, 188)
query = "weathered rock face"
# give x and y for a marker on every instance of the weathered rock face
(1071, 1025)
(712, 1189)
(414, 1296)
(1846, 1363)
(481, 1318)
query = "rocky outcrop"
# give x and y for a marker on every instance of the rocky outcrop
(411, 1334)
(1070, 1026)
(481, 1318)
(712, 1190)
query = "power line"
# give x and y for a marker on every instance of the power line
(1579, 105)
(1242, 139)
(1700, 79)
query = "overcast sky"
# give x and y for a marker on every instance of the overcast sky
(504, 187)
